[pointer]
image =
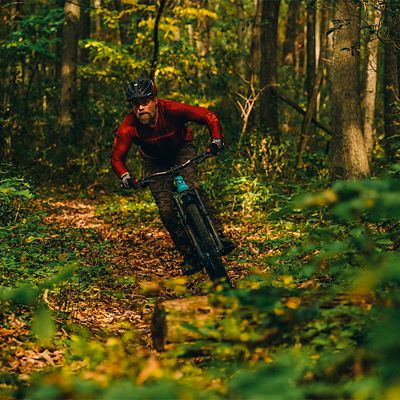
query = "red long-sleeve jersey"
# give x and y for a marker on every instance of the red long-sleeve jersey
(164, 139)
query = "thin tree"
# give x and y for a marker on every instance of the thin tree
(391, 84)
(289, 44)
(255, 46)
(315, 89)
(241, 34)
(9, 90)
(349, 155)
(269, 66)
(371, 75)
(69, 65)
(310, 48)
(154, 60)
(97, 18)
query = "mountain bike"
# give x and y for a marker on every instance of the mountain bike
(195, 219)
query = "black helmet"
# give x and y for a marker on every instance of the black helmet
(140, 89)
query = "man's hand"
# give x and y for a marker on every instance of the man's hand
(216, 146)
(127, 182)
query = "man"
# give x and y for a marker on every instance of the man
(157, 126)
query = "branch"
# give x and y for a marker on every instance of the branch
(303, 112)
(10, 4)
(155, 39)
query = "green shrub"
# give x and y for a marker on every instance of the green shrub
(14, 196)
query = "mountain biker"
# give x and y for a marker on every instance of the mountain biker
(158, 127)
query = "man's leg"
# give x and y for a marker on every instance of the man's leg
(162, 190)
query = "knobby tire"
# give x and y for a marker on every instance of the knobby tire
(215, 267)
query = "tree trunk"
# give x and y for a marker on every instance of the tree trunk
(11, 93)
(202, 37)
(85, 30)
(122, 22)
(289, 45)
(300, 53)
(154, 60)
(313, 98)
(85, 33)
(391, 88)
(269, 73)
(241, 35)
(369, 95)
(310, 43)
(69, 65)
(97, 18)
(59, 35)
(349, 155)
(256, 42)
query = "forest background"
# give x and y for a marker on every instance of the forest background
(308, 95)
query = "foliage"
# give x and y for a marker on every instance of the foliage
(316, 319)
(14, 196)
(315, 311)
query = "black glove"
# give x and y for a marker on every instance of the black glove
(216, 146)
(127, 182)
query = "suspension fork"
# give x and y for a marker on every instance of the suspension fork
(180, 201)
(209, 221)
(206, 215)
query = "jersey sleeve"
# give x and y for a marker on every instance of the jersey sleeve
(200, 115)
(122, 143)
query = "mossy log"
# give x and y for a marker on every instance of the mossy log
(176, 321)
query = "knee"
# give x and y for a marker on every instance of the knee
(167, 211)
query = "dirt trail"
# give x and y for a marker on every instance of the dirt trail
(141, 257)
(129, 269)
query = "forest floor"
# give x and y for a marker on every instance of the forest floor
(81, 274)
(127, 263)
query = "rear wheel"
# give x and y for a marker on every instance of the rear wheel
(213, 263)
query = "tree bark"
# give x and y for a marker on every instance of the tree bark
(289, 45)
(122, 22)
(300, 53)
(59, 34)
(349, 155)
(241, 35)
(269, 67)
(69, 65)
(256, 42)
(11, 93)
(391, 88)
(369, 95)
(313, 97)
(84, 83)
(97, 18)
(85, 30)
(180, 321)
(154, 60)
(310, 46)
(169, 317)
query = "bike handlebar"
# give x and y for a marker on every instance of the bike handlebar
(145, 180)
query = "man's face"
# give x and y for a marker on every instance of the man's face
(145, 110)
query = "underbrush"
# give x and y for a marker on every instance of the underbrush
(317, 318)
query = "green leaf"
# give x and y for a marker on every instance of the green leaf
(43, 325)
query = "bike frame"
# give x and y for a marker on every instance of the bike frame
(185, 196)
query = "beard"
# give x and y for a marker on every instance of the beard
(146, 118)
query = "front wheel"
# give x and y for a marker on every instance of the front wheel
(211, 257)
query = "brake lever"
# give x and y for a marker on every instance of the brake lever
(144, 183)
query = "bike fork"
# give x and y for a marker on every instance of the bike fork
(210, 224)
(187, 228)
